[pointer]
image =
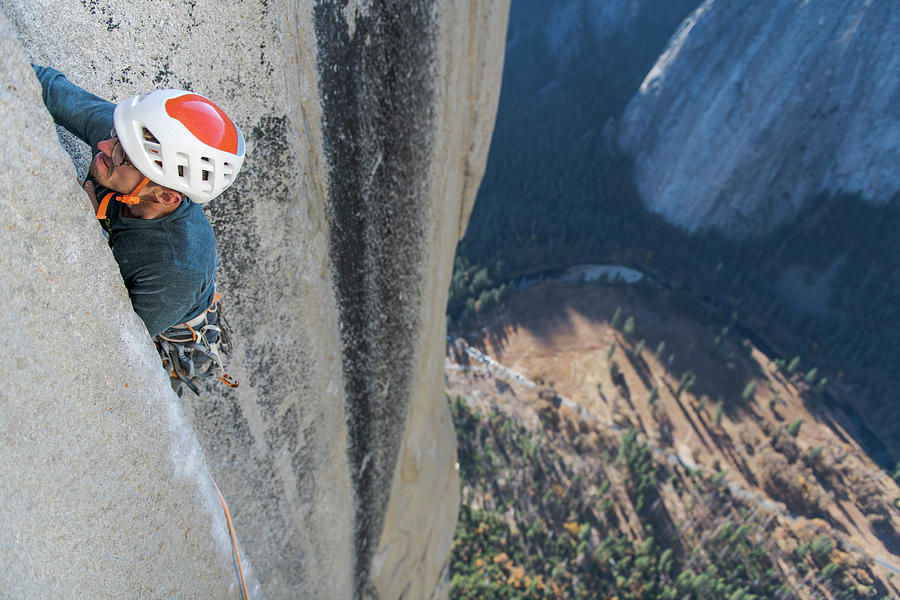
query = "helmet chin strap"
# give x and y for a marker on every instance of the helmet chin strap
(130, 198)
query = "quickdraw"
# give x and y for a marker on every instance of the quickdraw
(190, 352)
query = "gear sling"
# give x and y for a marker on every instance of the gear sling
(191, 351)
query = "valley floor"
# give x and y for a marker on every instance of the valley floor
(702, 398)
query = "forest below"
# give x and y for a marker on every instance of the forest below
(558, 192)
(613, 445)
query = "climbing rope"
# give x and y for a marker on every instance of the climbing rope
(234, 546)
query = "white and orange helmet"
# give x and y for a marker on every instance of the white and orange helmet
(192, 146)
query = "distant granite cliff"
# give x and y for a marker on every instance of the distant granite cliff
(744, 151)
(367, 131)
(755, 108)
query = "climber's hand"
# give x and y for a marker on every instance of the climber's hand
(89, 190)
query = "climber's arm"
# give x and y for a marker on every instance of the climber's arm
(85, 115)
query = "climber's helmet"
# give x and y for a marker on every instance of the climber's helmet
(180, 140)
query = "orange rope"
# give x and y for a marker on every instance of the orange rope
(233, 539)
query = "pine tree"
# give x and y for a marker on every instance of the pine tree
(811, 376)
(702, 403)
(628, 328)
(814, 454)
(828, 570)
(687, 380)
(639, 348)
(617, 316)
(749, 391)
(820, 387)
(821, 547)
(480, 281)
(660, 348)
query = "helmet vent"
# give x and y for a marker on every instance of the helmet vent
(151, 148)
(183, 160)
(149, 136)
(207, 166)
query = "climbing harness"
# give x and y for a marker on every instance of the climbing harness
(191, 351)
(234, 546)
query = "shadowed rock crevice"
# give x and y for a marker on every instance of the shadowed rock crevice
(376, 84)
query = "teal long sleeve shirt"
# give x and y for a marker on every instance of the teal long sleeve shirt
(168, 264)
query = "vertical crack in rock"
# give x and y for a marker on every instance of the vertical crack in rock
(377, 92)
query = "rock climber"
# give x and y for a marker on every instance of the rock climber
(157, 157)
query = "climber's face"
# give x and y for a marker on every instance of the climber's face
(112, 169)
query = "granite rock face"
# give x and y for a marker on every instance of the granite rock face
(755, 108)
(104, 483)
(367, 130)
